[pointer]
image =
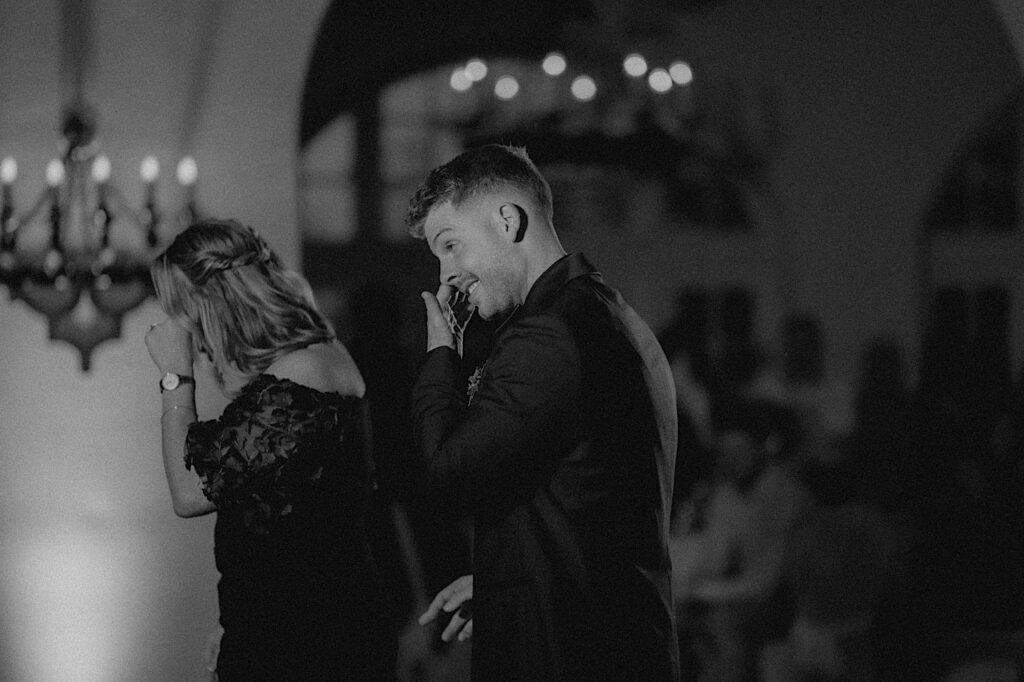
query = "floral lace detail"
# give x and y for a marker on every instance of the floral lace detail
(269, 448)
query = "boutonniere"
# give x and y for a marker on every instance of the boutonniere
(473, 384)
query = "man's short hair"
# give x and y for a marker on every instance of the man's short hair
(474, 172)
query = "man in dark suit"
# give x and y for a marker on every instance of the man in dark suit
(562, 445)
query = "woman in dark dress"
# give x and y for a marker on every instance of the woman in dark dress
(284, 466)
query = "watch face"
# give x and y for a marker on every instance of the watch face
(170, 381)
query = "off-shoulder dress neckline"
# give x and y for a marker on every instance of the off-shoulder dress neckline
(273, 378)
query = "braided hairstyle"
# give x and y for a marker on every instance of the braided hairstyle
(244, 309)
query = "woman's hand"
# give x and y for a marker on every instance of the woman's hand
(170, 347)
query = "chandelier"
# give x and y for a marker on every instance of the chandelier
(80, 253)
(709, 143)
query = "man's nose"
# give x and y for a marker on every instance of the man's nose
(449, 276)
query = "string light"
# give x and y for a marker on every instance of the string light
(506, 87)
(634, 65)
(554, 64)
(460, 80)
(681, 73)
(583, 88)
(476, 70)
(659, 80)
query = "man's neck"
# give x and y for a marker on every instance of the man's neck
(539, 264)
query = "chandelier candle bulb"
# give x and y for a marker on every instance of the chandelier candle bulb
(101, 169)
(149, 170)
(8, 174)
(100, 175)
(187, 171)
(8, 171)
(54, 174)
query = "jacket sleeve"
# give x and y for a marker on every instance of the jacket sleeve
(525, 407)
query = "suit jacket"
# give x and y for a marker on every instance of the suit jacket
(564, 455)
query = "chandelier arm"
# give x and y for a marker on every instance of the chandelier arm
(117, 206)
(23, 219)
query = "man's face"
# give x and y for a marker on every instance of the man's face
(475, 255)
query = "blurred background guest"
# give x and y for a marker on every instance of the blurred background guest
(735, 591)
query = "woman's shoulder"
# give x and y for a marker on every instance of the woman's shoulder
(325, 367)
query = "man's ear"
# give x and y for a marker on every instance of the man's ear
(514, 220)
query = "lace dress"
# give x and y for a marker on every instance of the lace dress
(299, 594)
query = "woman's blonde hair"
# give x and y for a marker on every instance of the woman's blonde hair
(220, 280)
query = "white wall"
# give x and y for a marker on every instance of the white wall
(99, 581)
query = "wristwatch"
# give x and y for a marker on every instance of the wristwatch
(171, 381)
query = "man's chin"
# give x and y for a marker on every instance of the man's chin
(495, 316)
